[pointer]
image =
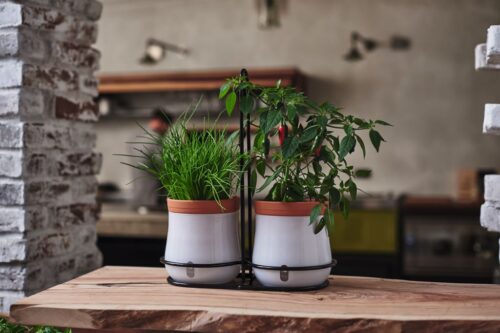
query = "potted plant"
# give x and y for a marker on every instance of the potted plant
(307, 176)
(200, 173)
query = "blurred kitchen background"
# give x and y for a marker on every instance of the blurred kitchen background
(410, 62)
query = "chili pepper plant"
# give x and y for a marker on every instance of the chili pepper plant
(315, 140)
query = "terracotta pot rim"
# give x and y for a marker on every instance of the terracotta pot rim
(279, 208)
(203, 206)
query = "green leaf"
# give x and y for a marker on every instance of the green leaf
(381, 122)
(361, 123)
(362, 144)
(334, 197)
(348, 129)
(290, 146)
(353, 189)
(295, 191)
(315, 213)
(269, 179)
(273, 119)
(317, 167)
(322, 122)
(224, 89)
(345, 206)
(246, 104)
(376, 138)
(258, 141)
(263, 122)
(253, 182)
(327, 155)
(230, 103)
(260, 165)
(276, 193)
(346, 145)
(231, 138)
(292, 112)
(319, 226)
(309, 134)
(329, 217)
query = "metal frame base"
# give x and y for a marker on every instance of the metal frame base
(245, 280)
(238, 284)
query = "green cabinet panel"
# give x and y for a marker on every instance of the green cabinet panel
(365, 231)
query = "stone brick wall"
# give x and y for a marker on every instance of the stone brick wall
(47, 160)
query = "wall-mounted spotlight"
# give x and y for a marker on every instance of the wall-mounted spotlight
(269, 12)
(358, 42)
(156, 50)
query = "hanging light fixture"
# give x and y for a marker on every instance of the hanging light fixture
(354, 54)
(269, 12)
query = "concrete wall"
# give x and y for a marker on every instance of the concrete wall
(431, 94)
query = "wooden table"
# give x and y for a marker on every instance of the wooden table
(131, 297)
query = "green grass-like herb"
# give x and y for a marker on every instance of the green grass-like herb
(6, 327)
(192, 165)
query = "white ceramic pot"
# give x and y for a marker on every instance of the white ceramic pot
(283, 236)
(200, 232)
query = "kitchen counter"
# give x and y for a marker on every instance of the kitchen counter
(122, 221)
(124, 298)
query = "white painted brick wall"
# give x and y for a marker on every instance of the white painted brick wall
(493, 45)
(491, 124)
(490, 210)
(492, 188)
(480, 59)
(11, 15)
(47, 163)
(490, 216)
(11, 73)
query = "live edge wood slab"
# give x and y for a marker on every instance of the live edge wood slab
(121, 298)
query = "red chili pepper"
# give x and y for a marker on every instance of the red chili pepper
(282, 133)
(317, 152)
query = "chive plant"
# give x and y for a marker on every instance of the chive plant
(191, 165)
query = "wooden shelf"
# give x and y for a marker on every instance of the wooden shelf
(122, 298)
(193, 81)
(439, 205)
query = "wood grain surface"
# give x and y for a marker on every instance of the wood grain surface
(139, 298)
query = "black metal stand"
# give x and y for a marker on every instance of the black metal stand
(246, 279)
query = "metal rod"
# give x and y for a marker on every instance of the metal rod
(249, 198)
(242, 187)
